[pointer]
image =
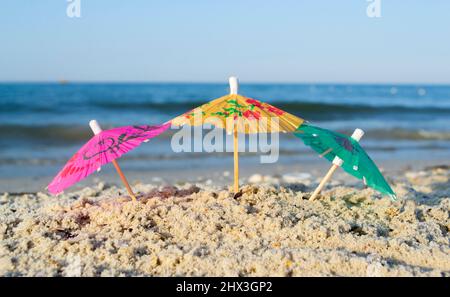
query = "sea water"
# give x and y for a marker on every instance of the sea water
(42, 125)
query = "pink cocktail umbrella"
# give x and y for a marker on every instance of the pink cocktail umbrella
(104, 147)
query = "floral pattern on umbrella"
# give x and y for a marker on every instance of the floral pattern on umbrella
(103, 148)
(245, 112)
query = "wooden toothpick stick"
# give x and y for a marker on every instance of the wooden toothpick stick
(124, 180)
(236, 161)
(325, 152)
(337, 162)
(95, 127)
(234, 86)
(323, 182)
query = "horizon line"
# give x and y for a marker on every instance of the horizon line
(68, 82)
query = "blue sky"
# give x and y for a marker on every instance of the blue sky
(206, 41)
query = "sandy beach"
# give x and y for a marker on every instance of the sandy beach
(200, 229)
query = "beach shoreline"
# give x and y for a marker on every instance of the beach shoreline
(218, 175)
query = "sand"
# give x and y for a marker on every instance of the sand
(270, 230)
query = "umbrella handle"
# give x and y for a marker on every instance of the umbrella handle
(95, 127)
(323, 182)
(234, 87)
(337, 162)
(124, 180)
(236, 160)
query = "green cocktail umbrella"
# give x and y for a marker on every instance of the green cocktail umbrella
(345, 152)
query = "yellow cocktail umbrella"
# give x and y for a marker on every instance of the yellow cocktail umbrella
(238, 114)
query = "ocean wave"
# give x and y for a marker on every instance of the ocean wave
(302, 107)
(405, 134)
(44, 133)
(74, 134)
(68, 134)
(292, 107)
(57, 160)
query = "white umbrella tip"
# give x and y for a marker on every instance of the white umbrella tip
(95, 127)
(357, 134)
(234, 84)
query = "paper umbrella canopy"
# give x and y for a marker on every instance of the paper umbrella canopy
(238, 114)
(235, 112)
(104, 147)
(356, 162)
